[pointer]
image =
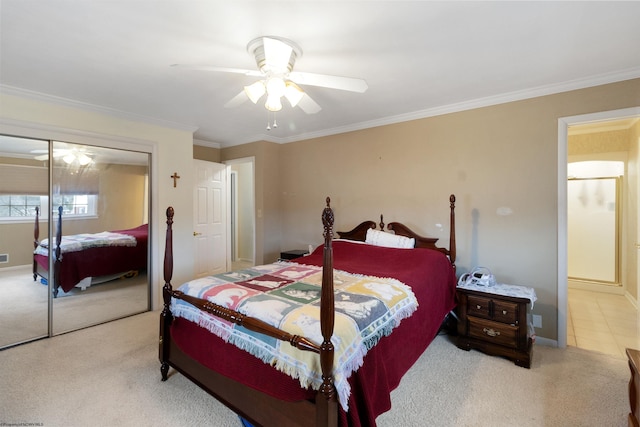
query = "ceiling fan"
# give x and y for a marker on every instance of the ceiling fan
(69, 156)
(276, 57)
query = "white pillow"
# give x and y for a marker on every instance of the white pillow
(380, 238)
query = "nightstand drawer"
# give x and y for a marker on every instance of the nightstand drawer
(505, 312)
(497, 333)
(479, 306)
(493, 309)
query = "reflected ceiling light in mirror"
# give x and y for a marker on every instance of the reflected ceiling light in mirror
(81, 158)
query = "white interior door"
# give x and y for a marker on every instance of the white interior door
(210, 220)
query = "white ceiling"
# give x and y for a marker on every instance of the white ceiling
(419, 58)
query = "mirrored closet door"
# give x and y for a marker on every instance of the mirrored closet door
(94, 209)
(100, 212)
(24, 186)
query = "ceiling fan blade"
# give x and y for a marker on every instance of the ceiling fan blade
(56, 152)
(44, 154)
(251, 73)
(237, 100)
(333, 82)
(276, 54)
(308, 105)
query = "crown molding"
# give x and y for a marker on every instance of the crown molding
(203, 143)
(85, 106)
(529, 93)
(504, 98)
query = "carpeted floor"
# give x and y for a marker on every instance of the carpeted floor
(109, 375)
(24, 304)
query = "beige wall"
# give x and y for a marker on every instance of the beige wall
(503, 156)
(208, 154)
(124, 187)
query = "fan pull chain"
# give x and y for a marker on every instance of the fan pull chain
(275, 122)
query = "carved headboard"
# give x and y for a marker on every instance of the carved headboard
(359, 233)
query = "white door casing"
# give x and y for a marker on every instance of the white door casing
(210, 222)
(563, 126)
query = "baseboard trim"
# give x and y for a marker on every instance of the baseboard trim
(546, 342)
(631, 299)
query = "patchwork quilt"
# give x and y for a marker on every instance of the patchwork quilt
(287, 296)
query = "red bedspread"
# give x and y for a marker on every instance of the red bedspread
(101, 261)
(432, 279)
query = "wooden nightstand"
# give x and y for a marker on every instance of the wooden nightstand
(293, 254)
(494, 324)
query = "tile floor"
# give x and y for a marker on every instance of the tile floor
(602, 322)
(239, 265)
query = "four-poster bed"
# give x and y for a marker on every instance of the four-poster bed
(265, 395)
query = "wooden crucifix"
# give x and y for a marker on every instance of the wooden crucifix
(175, 177)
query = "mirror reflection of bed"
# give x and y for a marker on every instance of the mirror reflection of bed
(121, 184)
(87, 259)
(107, 194)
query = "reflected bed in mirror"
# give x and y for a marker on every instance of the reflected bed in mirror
(97, 192)
(89, 259)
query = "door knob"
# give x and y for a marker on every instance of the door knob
(197, 234)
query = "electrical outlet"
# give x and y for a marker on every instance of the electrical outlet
(537, 321)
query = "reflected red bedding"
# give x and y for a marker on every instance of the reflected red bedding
(432, 279)
(101, 261)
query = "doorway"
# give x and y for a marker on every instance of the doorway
(242, 212)
(599, 315)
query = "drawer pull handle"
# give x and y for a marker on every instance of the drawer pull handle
(491, 332)
(478, 306)
(504, 311)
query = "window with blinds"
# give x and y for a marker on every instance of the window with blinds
(26, 187)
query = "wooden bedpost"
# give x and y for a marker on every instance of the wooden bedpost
(452, 231)
(56, 259)
(166, 317)
(326, 400)
(36, 237)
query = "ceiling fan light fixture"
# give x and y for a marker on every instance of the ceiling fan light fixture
(276, 87)
(69, 158)
(255, 91)
(83, 159)
(293, 93)
(273, 103)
